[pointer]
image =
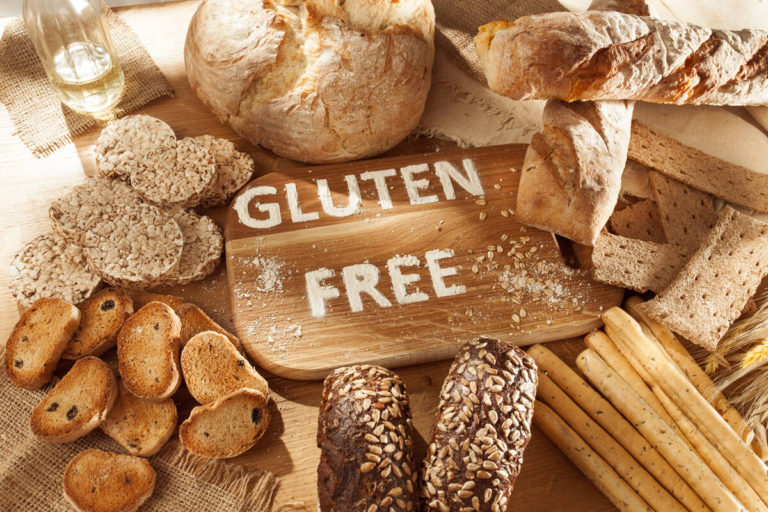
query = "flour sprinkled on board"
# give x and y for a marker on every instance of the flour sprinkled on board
(269, 278)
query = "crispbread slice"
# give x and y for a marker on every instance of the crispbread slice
(635, 182)
(687, 214)
(142, 298)
(194, 321)
(227, 427)
(233, 170)
(712, 289)
(701, 171)
(136, 248)
(140, 426)
(640, 221)
(49, 266)
(97, 481)
(102, 317)
(79, 210)
(77, 404)
(148, 352)
(203, 244)
(37, 341)
(131, 142)
(636, 264)
(213, 367)
(179, 178)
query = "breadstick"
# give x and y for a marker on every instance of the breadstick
(611, 451)
(665, 374)
(611, 354)
(658, 433)
(589, 462)
(614, 423)
(696, 375)
(713, 458)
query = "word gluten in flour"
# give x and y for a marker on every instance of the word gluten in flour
(395, 261)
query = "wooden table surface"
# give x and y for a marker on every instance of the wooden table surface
(548, 480)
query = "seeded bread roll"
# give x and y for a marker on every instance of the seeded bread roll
(483, 425)
(364, 432)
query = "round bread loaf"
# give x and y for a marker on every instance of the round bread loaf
(315, 81)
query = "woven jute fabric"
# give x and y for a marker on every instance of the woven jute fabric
(457, 24)
(31, 470)
(40, 120)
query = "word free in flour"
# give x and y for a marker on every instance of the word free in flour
(363, 278)
(415, 178)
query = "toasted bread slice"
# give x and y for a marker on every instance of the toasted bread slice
(37, 341)
(194, 321)
(140, 426)
(141, 299)
(227, 427)
(77, 404)
(148, 352)
(102, 317)
(212, 367)
(97, 481)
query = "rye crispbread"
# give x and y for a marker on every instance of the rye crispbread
(135, 249)
(203, 244)
(98, 481)
(141, 426)
(36, 342)
(131, 143)
(687, 214)
(194, 321)
(701, 171)
(213, 367)
(233, 170)
(635, 182)
(77, 404)
(636, 264)
(640, 221)
(148, 352)
(226, 427)
(49, 266)
(102, 317)
(713, 288)
(178, 178)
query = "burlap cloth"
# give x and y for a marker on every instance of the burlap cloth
(40, 120)
(31, 470)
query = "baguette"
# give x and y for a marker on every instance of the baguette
(612, 56)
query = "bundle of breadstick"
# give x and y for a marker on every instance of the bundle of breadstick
(651, 431)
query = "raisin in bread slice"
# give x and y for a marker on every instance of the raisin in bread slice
(77, 404)
(37, 341)
(140, 426)
(226, 427)
(97, 481)
(148, 352)
(102, 317)
(213, 367)
(194, 321)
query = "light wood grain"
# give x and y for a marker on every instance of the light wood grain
(548, 480)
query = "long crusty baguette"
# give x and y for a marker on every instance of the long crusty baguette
(572, 170)
(611, 56)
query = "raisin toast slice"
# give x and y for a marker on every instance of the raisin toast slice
(140, 426)
(102, 317)
(38, 340)
(194, 321)
(148, 352)
(142, 298)
(98, 481)
(213, 367)
(227, 427)
(77, 404)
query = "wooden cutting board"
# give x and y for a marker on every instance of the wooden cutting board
(396, 261)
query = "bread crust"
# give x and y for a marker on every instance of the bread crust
(609, 55)
(365, 437)
(315, 81)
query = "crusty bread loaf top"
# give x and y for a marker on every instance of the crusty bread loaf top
(609, 55)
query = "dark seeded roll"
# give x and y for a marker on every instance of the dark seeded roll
(364, 432)
(483, 425)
